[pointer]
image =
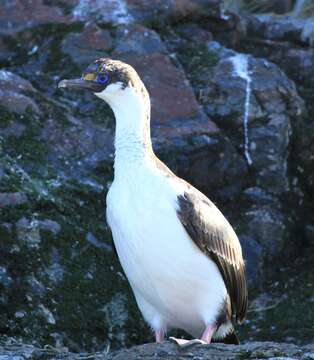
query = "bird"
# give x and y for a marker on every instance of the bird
(181, 256)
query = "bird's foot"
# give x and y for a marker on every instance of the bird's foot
(183, 343)
(206, 338)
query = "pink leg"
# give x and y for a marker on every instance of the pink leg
(159, 335)
(208, 333)
(206, 338)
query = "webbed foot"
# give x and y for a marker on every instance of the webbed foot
(183, 343)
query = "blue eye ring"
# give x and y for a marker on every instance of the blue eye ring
(102, 79)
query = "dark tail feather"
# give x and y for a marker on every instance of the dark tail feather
(231, 338)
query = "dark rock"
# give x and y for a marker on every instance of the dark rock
(264, 226)
(12, 199)
(288, 41)
(88, 45)
(282, 6)
(309, 233)
(252, 253)
(142, 11)
(18, 15)
(291, 53)
(222, 81)
(195, 10)
(220, 179)
(13, 82)
(298, 63)
(6, 228)
(12, 350)
(5, 278)
(267, 227)
(303, 155)
(12, 93)
(49, 225)
(274, 103)
(266, 6)
(28, 232)
(5, 53)
(138, 40)
(116, 316)
(287, 28)
(215, 351)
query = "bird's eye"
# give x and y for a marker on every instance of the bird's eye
(103, 79)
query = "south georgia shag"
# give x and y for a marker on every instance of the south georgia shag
(181, 256)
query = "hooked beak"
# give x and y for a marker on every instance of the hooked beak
(80, 84)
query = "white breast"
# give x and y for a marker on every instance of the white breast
(174, 283)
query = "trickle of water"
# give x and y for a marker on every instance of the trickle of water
(240, 64)
(299, 4)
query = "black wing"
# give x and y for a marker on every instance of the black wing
(212, 233)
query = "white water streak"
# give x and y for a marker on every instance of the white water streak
(241, 68)
(298, 7)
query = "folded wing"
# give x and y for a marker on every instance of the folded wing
(212, 233)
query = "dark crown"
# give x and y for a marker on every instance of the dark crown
(110, 72)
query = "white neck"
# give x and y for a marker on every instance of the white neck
(132, 136)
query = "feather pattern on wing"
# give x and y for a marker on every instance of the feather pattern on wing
(212, 233)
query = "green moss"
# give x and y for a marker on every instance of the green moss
(289, 314)
(77, 297)
(28, 146)
(63, 4)
(76, 301)
(195, 57)
(47, 38)
(243, 354)
(197, 61)
(6, 117)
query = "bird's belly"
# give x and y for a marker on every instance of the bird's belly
(166, 269)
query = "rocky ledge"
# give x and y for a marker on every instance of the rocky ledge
(11, 350)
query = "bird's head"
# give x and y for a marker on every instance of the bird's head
(108, 79)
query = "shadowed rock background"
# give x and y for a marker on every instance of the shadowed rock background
(60, 281)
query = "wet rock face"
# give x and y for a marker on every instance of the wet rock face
(290, 46)
(288, 42)
(273, 105)
(60, 282)
(222, 79)
(254, 103)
